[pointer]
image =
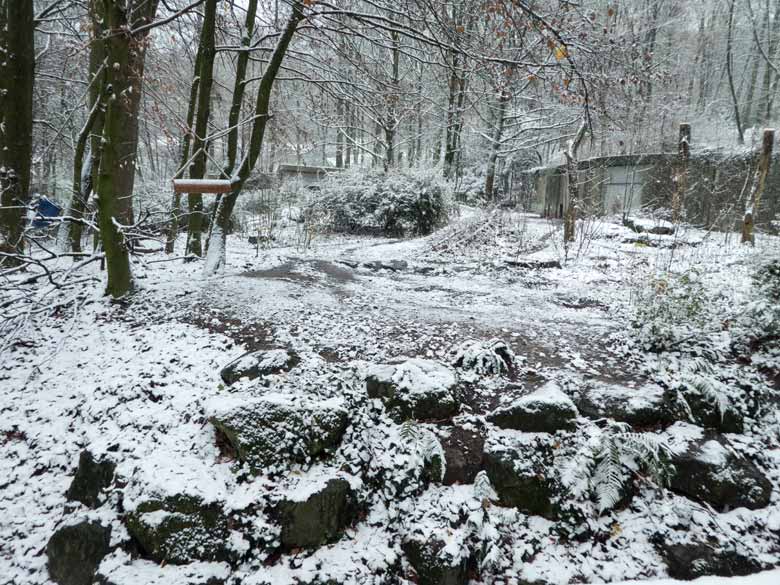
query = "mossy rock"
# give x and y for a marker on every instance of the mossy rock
(527, 489)
(433, 565)
(278, 429)
(74, 552)
(546, 410)
(180, 529)
(414, 389)
(319, 519)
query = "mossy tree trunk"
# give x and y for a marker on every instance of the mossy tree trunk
(17, 69)
(200, 139)
(125, 55)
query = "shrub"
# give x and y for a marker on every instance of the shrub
(392, 204)
(671, 309)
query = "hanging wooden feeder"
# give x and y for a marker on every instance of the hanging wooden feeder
(202, 186)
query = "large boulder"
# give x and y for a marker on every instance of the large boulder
(545, 410)
(256, 364)
(708, 470)
(463, 451)
(434, 564)
(180, 529)
(91, 478)
(279, 428)
(416, 388)
(75, 551)
(690, 560)
(646, 406)
(521, 475)
(318, 518)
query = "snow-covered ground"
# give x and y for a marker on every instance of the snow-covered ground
(136, 383)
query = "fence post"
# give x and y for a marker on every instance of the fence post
(759, 183)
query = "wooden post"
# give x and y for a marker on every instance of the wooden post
(681, 171)
(759, 183)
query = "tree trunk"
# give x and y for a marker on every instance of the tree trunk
(216, 250)
(572, 209)
(81, 181)
(124, 77)
(17, 70)
(173, 224)
(340, 133)
(456, 98)
(495, 147)
(200, 142)
(730, 74)
(239, 87)
(759, 183)
(770, 30)
(681, 174)
(391, 112)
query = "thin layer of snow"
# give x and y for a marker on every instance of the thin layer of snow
(550, 393)
(765, 578)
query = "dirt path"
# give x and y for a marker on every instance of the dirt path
(344, 308)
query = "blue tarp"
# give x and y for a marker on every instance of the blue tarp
(46, 210)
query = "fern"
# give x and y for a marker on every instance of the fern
(712, 390)
(609, 477)
(423, 443)
(409, 432)
(618, 455)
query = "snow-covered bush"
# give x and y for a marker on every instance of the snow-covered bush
(671, 309)
(485, 358)
(388, 204)
(757, 330)
(470, 189)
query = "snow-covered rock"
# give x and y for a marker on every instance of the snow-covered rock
(709, 470)
(434, 564)
(416, 388)
(545, 410)
(313, 517)
(690, 560)
(520, 471)
(256, 364)
(278, 428)
(645, 406)
(650, 226)
(180, 529)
